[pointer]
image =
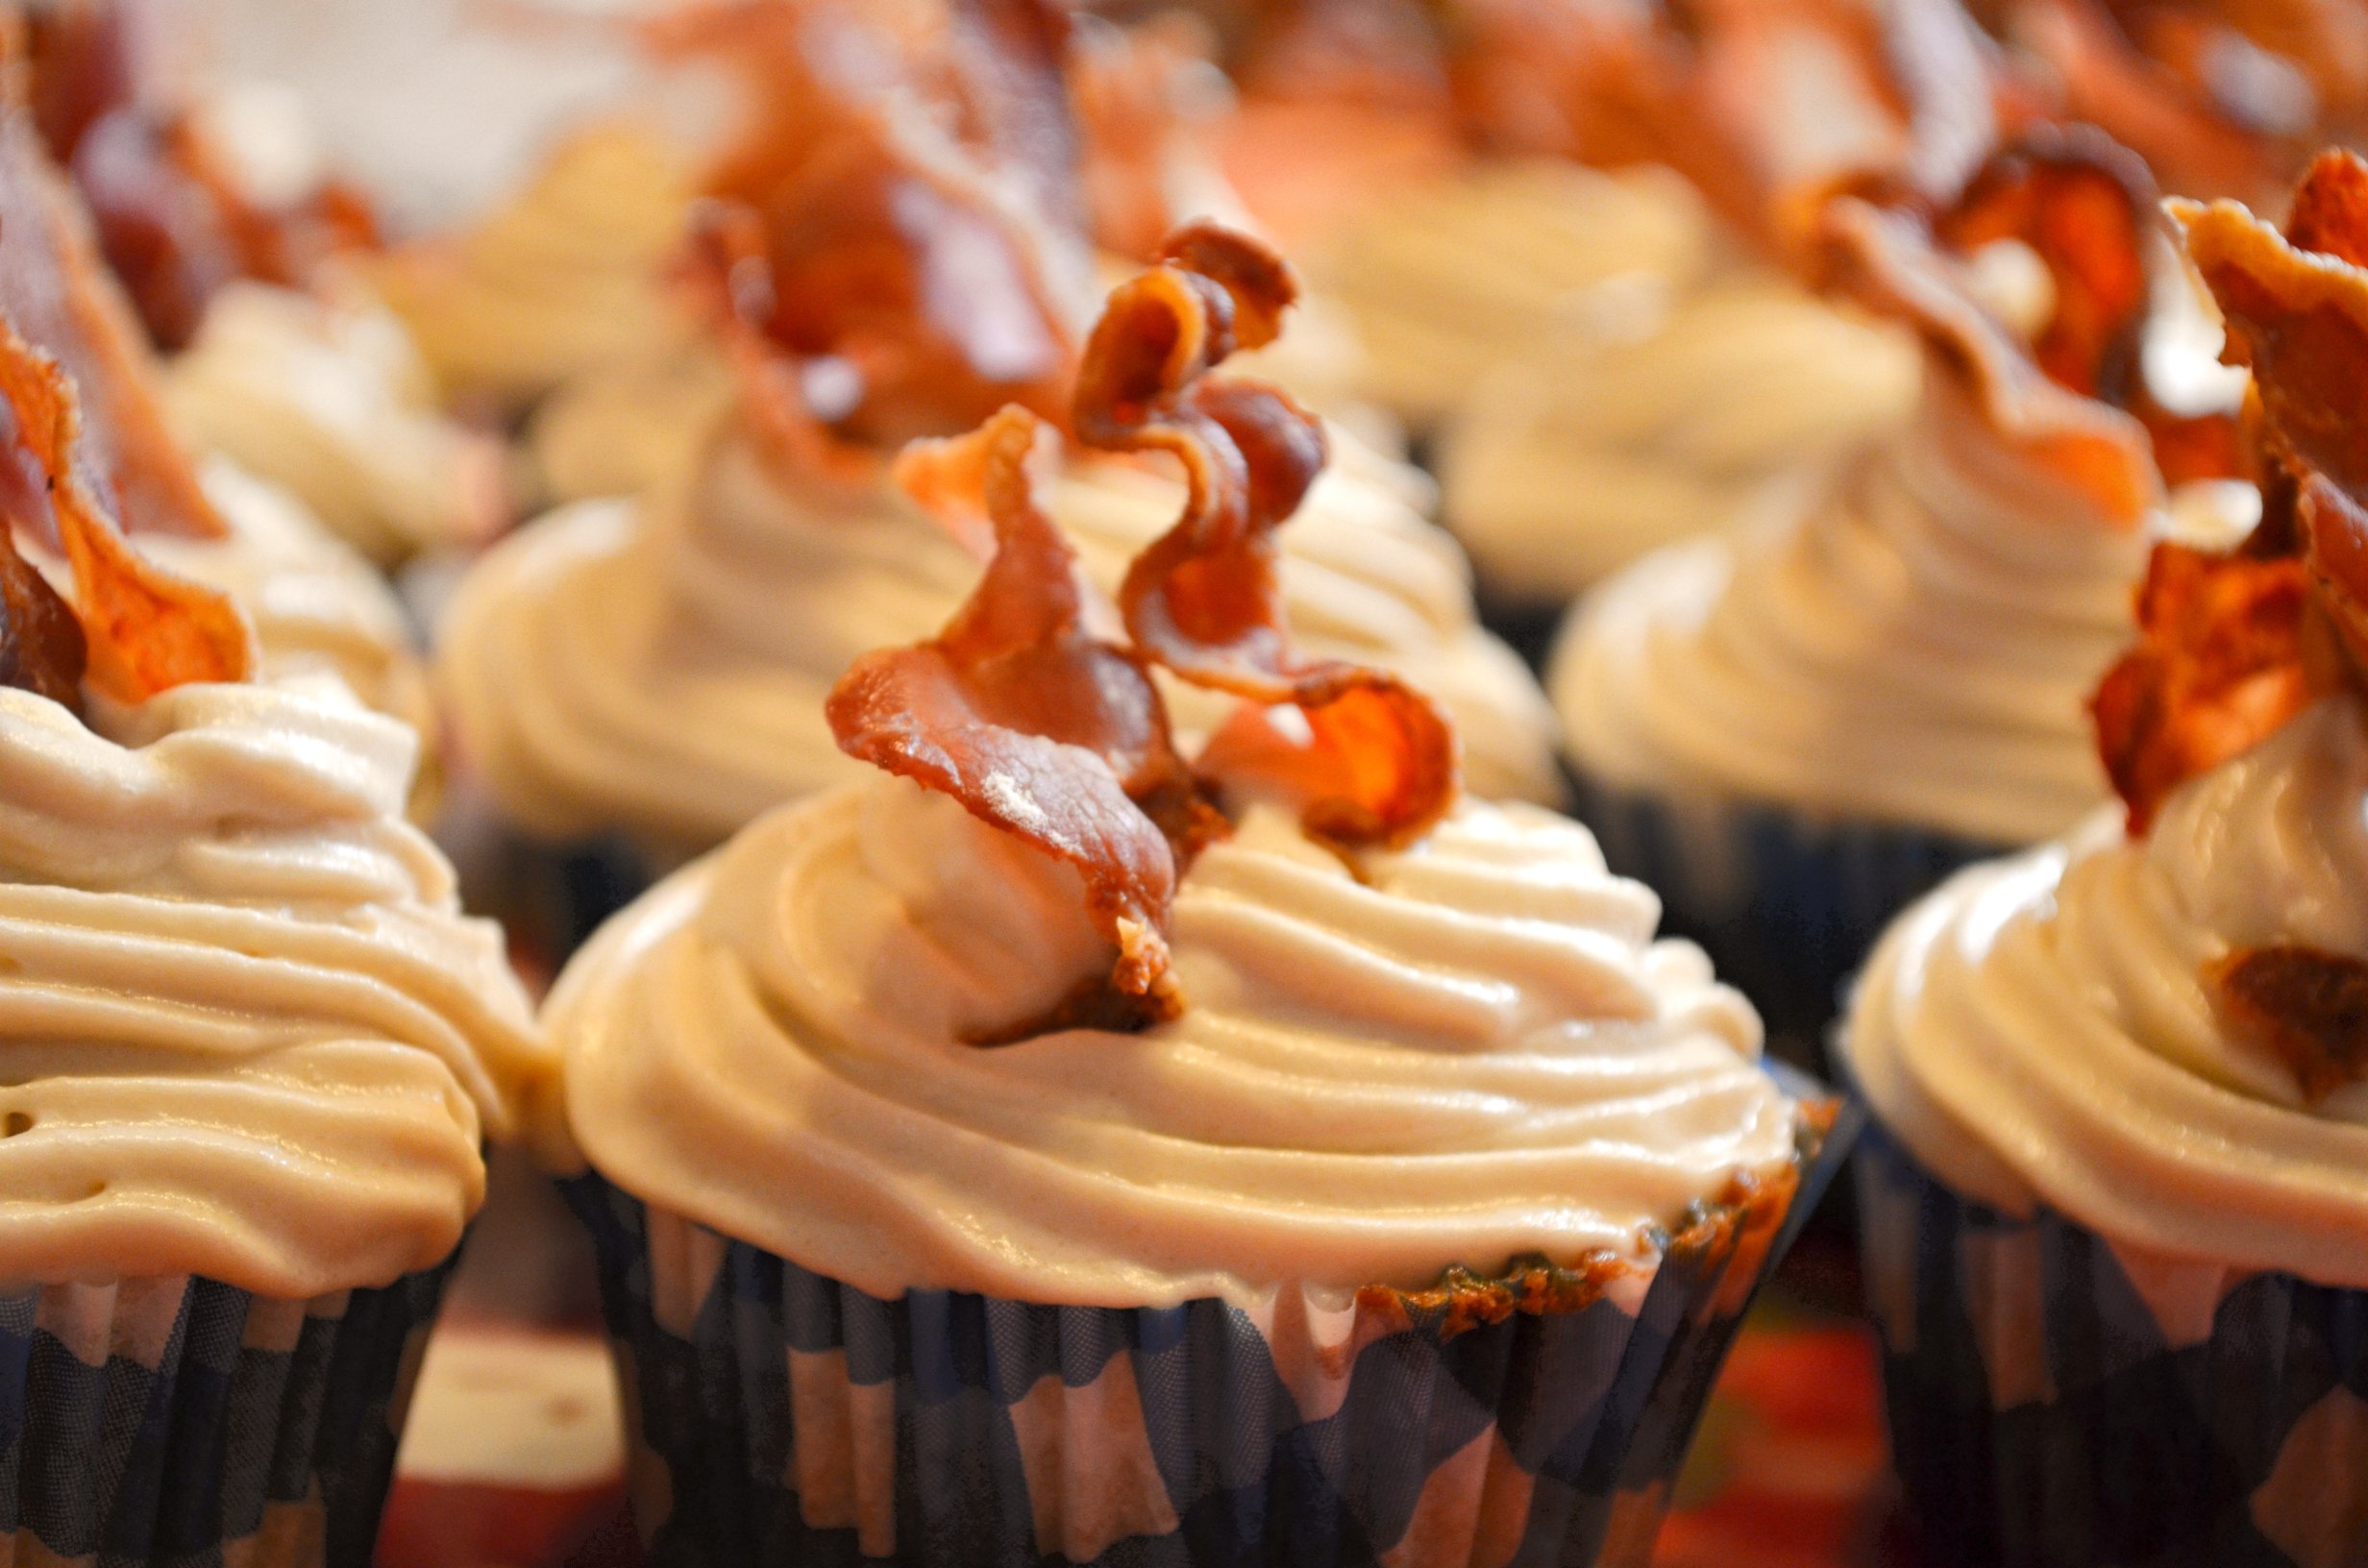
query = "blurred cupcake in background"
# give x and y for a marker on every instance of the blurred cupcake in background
(1085, 1154)
(1796, 728)
(2115, 1195)
(254, 1048)
(649, 673)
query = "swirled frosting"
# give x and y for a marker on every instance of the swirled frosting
(248, 1031)
(1918, 647)
(1661, 415)
(330, 398)
(2039, 1028)
(1446, 281)
(661, 667)
(1472, 1051)
(560, 279)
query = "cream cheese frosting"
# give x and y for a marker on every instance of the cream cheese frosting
(561, 277)
(1444, 281)
(661, 667)
(2038, 1030)
(1661, 414)
(1919, 648)
(329, 397)
(1470, 1050)
(249, 1032)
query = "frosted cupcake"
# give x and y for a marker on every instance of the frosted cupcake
(2115, 1213)
(653, 671)
(1143, 1199)
(1796, 729)
(255, 1050)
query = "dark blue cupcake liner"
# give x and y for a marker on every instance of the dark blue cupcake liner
(180, 1421)
(782, 1417)
(550, 897)
(1787, 906)
(2057, 1402)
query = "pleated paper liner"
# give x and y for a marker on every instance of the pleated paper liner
(1787, 906)
(781, 1417)
(2058, 1401)
(176, 1421)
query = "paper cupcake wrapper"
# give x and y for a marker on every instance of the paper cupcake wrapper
(1787, 906)
(180, 1421)
(550, 898)
(782, 1417)
(2057, 1400)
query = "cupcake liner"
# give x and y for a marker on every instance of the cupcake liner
(782, 1417)
(549, 898)
(2057, 1400)
(174, 1420)
(1787, 906)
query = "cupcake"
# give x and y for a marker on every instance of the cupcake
(1047, 1150)
(2116, 1194)
(1793, 729)
(255, 1050)
(634, 681)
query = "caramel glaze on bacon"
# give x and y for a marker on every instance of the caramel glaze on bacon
(1050, 731)
(2231, 647)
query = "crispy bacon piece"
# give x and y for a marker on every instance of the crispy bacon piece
(1139, 109)
(147, 629)
(1043, 730)
(1378, 764)
(56, 290)
(919, 270)
(2218, 668)
(2305, 1006)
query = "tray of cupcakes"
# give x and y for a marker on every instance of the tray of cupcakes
(1076, 782)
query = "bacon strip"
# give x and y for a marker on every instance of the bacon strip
(1204, 600)
(56, 291)
(147, 629)
(1042, 730)
(922, 271)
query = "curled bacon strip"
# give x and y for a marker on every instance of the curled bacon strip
(1379, 762)
(1041, 729)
